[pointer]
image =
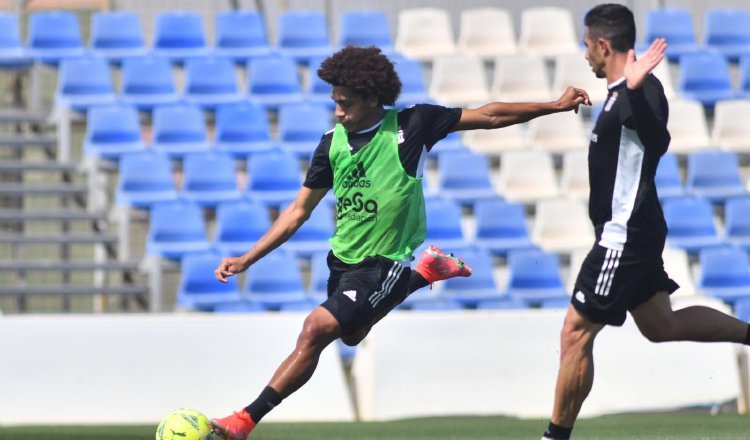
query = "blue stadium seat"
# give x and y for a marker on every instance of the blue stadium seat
(742, 309)
(241, 306)
(179, 129)
(198, 288)
(239, 225)
(501, 226)
(480, 286)
(555, 303)
(451, 143)
(319, 274)
(306, 305)
(209, 178)
(725, 273)
(437, 305)
(241, 35)
(464, 177)
(273, 178)
(13, 54)
(116, 35)
(312, 237)
(147, 82)
(667, 179)
(318, 91)
(745, 76)
(303, 35)
(211, 81)
(112, 130)
(728, 31)
(145, 178)
(365, 28)
(691, 224)
(676, 25)
(444, 224)
(241, 129)
(84, 82)
(502, 303)
(301, 126)
(179, 35)
(54, 36)
(275, 280)
(413, 89)
(737, 221)
(714, 175)
(176, 228)
(705, 77)
(273, 81)
(534, 276)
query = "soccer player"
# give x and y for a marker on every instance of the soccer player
(373, 160)
(624, 270)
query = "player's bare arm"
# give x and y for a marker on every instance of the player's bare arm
(503, 114)
(284, 227)
(636, 71)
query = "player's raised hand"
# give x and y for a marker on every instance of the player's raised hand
(572, 97)
(636, 71)
(229, 267)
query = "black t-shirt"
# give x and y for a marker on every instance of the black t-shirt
(627, 141)
(419, 128)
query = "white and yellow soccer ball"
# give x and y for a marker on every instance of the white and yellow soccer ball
(184, 424)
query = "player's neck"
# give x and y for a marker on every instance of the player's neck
(616, 67)
(373, 118)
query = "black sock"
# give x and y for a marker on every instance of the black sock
(267, 400)
(557, 432)
(747, 336)
(416, 281)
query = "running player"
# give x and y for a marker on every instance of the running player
(624, 270)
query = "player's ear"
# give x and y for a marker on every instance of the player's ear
(604, 46)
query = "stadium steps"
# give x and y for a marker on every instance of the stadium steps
(19, 166)
(67, 266)
(58, 238)
(73, 289)
(42, 189)
(30, 226)
(18, 141)
(15, 216)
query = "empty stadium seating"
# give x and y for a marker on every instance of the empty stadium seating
(241, 35)
(487, 33)
(179, 35)
(424, 33)
(676, 25)
(116, 35)
(54, 36)
(13, 55)
(112, 130)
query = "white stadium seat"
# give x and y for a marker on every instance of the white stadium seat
(424, 33)
(458, 80)
(574, 70)
(574, 182)
(731, 130)
(487, 33)
(548, 31)
(562, 225)
(495, 142)
(558, 132)
(687, 126)
(520, 78)
(527, 176)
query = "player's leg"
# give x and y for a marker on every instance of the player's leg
(659, 323)
(576, 374)
(318, 331)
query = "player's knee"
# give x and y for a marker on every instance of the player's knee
(575, 336)
(318, 331)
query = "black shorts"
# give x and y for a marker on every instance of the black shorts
(360, 294)
(613, 282)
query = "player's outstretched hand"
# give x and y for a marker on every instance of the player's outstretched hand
(636, 71)
(230, 266)
(571, 98)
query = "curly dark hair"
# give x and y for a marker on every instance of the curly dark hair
(366, 70)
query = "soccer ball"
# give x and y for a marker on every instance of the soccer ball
(184, 424)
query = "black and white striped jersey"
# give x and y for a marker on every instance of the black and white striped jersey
(627, 141)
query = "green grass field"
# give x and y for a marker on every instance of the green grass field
(687, 426)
